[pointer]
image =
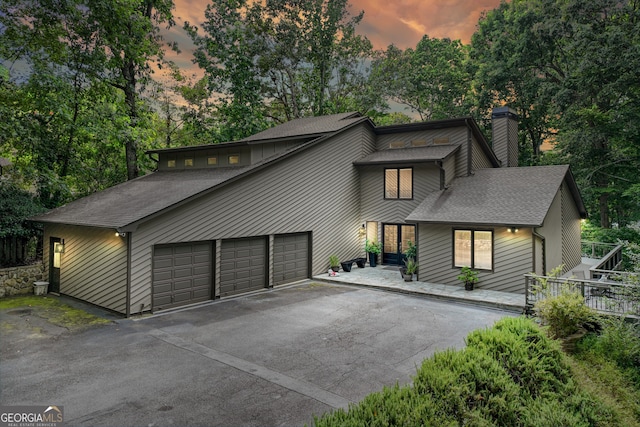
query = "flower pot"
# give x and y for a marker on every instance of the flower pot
(346, 266)
(403, 270)
(468, 286)
(361, 262)
(407, 277)
(335, 268)
(372, 259)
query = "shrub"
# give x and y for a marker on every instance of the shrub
(564, 313)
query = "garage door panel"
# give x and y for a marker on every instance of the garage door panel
(291, 257)
(181, 274)
(243, 265)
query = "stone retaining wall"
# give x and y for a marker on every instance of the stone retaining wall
(19, 280)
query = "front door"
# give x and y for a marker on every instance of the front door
(54, 266)
(396, 238)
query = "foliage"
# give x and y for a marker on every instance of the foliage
(467, 275)
(411, 251)
(412, 266)
(572, 72)
(16, 205)
(628, 236)
(511, 374)
(372, 247)
(431, 80)
(281, 60)
(334, 261)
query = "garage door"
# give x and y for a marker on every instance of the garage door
(290, 258)
(243, 265)
(181, 274)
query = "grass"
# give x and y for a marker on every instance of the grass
(53, 311)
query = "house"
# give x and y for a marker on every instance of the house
(218, 220)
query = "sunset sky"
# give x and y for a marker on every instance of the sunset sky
(401, 22)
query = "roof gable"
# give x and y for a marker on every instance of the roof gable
(518, 196)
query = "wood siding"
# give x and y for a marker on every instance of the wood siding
(426, 179)
(456, 136)
(552, 232)
(512, 258)
(316, 190)
(571, 231)
(479, 159)
(94, 265)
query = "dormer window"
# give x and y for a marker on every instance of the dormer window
(188, 162)
(234, 159)
(171, 163)
(398, 183)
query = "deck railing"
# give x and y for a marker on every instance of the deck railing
(615, 293)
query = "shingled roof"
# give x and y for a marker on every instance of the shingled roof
(408, 155)
(519, 196)
(136, 200)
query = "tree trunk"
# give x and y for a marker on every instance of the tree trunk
(131, 153)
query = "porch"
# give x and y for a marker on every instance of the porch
(388, 278)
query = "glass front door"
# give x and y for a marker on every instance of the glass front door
(396, 238)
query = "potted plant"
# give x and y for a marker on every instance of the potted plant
(334, 263)
(412, 267)
(373, 249)
(469, 277)
(410, 253)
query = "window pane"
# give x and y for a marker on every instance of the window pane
(391, 183)
(462, 248)
(171, 163)
(408, 235)
(212, 161)
(406, 184)
(391, 239)
(188, 162)
(234, 160)
(483, 250)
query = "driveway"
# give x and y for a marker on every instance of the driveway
(274, 358)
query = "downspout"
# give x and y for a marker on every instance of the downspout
(544, 251)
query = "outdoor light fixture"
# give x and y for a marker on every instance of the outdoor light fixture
(362, 230)
(512, 229)
(58, 247)
(120, 233)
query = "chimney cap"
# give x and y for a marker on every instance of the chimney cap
(504, 112)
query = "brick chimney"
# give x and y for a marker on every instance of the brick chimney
(504, 138)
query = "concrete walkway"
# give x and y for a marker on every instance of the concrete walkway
(388, 278)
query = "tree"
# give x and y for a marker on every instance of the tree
(431, 80)
(280, 60)
(571, 68)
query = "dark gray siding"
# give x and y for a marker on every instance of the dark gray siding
(571, 231)
(94, 265)
(200, 158)
(455, 136)
(512, 258)
(552, 232)
(426, 179)
(315, 190)
(479, 159)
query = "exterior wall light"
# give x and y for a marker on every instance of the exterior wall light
(362, 230)
(58, 247)
(512, 229)
(120, 233)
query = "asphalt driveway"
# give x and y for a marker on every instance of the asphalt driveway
(270, 359)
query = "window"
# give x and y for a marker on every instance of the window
(171, 163)
(212, 160)
(188, 162)
(398, 183)
(234, 160)
(473, 248)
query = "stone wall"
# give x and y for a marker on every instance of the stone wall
(19, 280)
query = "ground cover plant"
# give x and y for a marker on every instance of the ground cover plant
(512, 374)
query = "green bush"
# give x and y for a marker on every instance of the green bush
(508, 375)
(565, 313)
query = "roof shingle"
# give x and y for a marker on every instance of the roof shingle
(408, 155)
(519, 196)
